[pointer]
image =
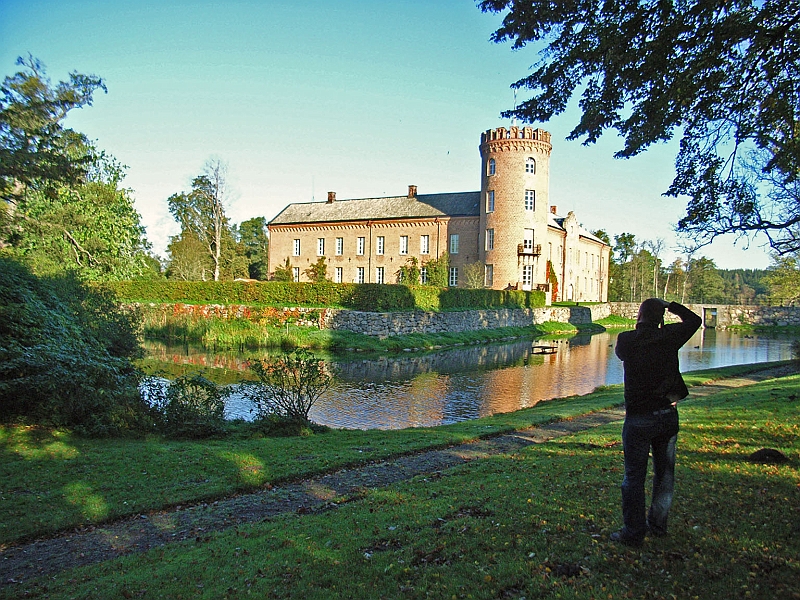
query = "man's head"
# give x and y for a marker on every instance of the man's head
(651, 312)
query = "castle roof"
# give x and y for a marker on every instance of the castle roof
(457, 204)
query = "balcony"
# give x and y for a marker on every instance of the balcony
(529, 250)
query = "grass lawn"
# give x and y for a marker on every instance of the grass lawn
(530, 525)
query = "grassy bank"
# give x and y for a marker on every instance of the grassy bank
(531, 525)
(239, 334)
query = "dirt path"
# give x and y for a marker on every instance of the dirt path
(47, 556)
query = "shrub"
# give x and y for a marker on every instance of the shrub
(65, 355)
(287, 387)
(191, 406)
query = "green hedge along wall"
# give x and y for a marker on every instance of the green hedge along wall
(371, 297)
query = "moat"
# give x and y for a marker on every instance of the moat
(394, 392)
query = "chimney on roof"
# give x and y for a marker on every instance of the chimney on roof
(331, 197)
(554, 210)
(412, 191)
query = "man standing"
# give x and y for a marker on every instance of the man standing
(653, 386)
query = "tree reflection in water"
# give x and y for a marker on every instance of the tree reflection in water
(394, 392)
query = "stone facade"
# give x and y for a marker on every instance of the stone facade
(508, 228)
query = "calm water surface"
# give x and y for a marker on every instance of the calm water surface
(475, 381)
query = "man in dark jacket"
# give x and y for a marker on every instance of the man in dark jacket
(653, 385)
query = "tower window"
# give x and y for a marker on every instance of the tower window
(530, 165)
(527, 276)
(530, 199)
(492, 166)
(490, 239)
(490, 201)
(488, 275)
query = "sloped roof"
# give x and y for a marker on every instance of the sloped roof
(457, 204)
(557, 222)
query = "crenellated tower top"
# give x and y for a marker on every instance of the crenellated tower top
(516, 138)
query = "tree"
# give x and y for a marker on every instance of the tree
(783, 279)
(474, 275)
(91, 228)
(35, 147)
(283, 272)
(202, 210)
(409, 274)
(253, 236)
(317, 271)
(704, 281)
(438, 270)
(725, 75)
(189, 260)
(288, 387)
(65, 354)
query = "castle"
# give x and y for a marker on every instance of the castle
(508, 228)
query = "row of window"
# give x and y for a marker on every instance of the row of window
(530, 200)
(530, 166)
(380, 245)
(380, 275)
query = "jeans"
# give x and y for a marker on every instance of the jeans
(640, 433)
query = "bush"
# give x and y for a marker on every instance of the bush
(287, 387)
(191, 406)
(65, 355)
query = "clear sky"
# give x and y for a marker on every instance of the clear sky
(300, 98)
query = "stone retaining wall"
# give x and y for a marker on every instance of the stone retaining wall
(384, 325)
(725, 315)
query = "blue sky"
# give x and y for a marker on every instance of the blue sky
(300, 98)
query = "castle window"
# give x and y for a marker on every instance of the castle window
(403, 244)
(490, 239)
(492, 166)
(423, 275)
(452, 280)
(295, 273)
(530, 165)
(338, 276)
(380, 243)
(320, 246)
(424, 244)
(379, 275)
(527, 276)
(488, 275)
(490, 201)
(360, 275)
(527, 240)
(297, 248)
(339, 246)
(530, 199)
(453, 243)
(360, 247)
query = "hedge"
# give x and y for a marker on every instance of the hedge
(371, 297)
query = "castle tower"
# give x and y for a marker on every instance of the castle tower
(514, 206)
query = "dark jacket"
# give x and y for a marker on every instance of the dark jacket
(650, 361)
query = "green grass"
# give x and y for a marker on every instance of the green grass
(531, 525)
